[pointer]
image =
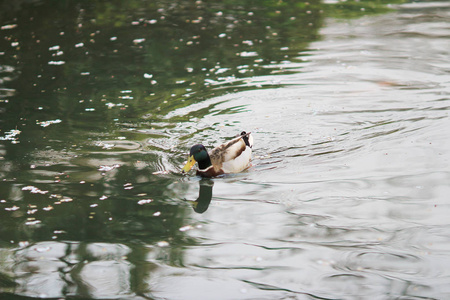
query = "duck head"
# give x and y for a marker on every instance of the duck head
(198, 154)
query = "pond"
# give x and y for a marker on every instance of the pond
(347, 193)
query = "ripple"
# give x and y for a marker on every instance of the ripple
(386, 264)
(105, 279)
(106, 251)
(47, 250)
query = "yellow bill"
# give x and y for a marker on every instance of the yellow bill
(190, 163)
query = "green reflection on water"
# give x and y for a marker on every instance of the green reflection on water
(92, 84)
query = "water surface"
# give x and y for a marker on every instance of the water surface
(347, 196)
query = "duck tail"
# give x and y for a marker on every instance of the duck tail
(247, 139)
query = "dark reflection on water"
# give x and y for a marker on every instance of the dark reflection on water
(205, 194)
(347, 195)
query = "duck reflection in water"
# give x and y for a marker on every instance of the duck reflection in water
(204, 196)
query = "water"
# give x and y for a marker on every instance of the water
(347, 196)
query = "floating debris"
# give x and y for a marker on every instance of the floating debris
(111, 105)
(162, 244)
(34, 190)
(10, 135)
(33, 222)
(108, 168)
(144, 201)
(248, 54)
(23, 244)
(13, 208)
(9, 26)
(185, 228)
(56, 63)
(128, 186)
(221, 70)
(48, 123)
(31, 211)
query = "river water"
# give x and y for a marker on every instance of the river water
(347, 195)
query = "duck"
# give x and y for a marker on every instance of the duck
(231, 157)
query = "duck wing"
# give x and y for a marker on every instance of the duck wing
(233, 156)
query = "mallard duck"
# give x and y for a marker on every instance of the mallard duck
(231, 157)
